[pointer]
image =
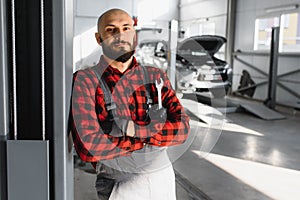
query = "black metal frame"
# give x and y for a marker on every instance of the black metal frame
(273, 77)
(58, 14)
(266, 75)
(4, 101)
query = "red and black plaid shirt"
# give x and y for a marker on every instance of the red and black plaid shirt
(129, 94)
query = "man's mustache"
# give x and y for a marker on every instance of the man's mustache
(121, 42)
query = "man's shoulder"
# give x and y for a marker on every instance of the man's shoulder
(84, 72)
(85, 75)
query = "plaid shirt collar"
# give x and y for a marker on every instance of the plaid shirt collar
(114, 71)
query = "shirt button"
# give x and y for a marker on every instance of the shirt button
(159, 143)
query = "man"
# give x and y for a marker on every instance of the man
(124, 134)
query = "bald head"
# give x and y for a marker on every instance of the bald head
(116, 34)
(112, 12)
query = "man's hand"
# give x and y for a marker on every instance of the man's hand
(157, 115)
(122, 127)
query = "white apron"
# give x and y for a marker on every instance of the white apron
(159, 185)
(155, 179)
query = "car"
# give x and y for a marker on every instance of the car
(198, 70)
(153, 53)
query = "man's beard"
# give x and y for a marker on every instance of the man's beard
(121, 56)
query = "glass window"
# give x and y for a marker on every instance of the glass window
(193, 30)
(290, 32)
(208, 28)
(263, 32)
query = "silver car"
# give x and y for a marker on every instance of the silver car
(197, 68)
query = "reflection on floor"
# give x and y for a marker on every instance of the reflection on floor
(252, 159)
(275, 182)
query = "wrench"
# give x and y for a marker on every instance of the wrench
(158, 87)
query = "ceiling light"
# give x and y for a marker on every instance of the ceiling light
(282, 8)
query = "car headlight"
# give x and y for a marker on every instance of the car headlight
(185, 84)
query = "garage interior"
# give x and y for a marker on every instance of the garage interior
(244, 144)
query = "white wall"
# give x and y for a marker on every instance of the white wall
(200, 11)
(156, 14)
(151, 13)
(247, 12)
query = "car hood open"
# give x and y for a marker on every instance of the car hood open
(208, 43)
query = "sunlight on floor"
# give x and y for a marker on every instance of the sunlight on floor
(275, 182)
(228, 127)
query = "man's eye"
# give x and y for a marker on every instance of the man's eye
(109, 30)
(126, 28)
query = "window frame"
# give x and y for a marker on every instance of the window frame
(281, 24)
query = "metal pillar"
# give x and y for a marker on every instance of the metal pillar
(27, 69)
(230, 30)
(4, 114)
(27, 155)
(271, 99)
(62, 16)
(4, 108)
(180, 34)
(40, 52)
(3, 169)
(173, 36)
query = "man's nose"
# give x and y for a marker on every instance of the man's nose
(118, 33)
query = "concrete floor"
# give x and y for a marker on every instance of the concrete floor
(243, 158)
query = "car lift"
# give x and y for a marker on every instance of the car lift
(266, 112)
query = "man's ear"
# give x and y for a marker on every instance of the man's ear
(98, 38)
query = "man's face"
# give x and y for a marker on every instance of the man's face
(116, 35)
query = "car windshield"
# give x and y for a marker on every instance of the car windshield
(194, 57)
